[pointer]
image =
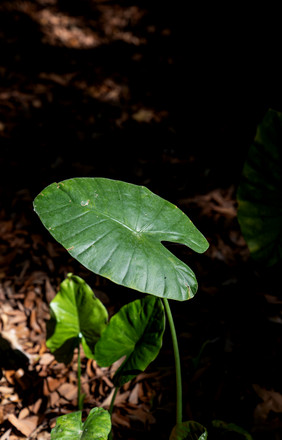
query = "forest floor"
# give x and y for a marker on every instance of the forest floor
(101, 88)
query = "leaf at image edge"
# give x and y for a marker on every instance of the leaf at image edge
(259, 194)
(231, 427)
(97, 425)
(70, 427)
(189, 431)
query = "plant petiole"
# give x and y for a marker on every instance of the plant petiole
(113, 400)
(79, 397)
(111, 409)
(177, 362)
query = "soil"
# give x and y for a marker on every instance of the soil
(144, 93)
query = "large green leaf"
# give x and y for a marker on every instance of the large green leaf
(70, 427)
(115, 229)
(189, 431)
(76, 314)
(135, 331)
(260, 192)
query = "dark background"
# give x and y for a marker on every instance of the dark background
(153, 94)
(209, 76)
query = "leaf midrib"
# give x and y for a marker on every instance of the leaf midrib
(96, 211)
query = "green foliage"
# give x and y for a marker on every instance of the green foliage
(223, 428)
(260, 192)
(135, 332)
(70, 427)
(115, 229)
(76, 315)
(189, 431)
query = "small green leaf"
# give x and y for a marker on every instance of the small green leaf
(260, 192)
(97, 425)
(70, 427)
(135, 331)
(224, 428)
(76, 315)
(116, 230)
(189, 431)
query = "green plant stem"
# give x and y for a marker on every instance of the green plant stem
(110, 436)
(113, 400)
(79, 400)
(177, 362)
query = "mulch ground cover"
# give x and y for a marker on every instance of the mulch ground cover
(101, 88)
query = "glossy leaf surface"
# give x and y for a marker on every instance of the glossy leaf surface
(76, 315)
(70, 427)
(189, 431)
(115, 229)
(135, 331)
(260, 192)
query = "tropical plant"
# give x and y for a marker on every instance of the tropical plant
(116, 230)
(260, 192)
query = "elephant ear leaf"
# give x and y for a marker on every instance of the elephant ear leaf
(76, 315)
(189, 431)
(116, 230)
(260, 192)
(135, 332)
(70, 427)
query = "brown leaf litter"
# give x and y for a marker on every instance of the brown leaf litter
(35, 388)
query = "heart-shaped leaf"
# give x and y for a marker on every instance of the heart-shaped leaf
(76, 314)
(70, 427)
(260, 192)
(189, 431)
(135, 331)
(115, 229)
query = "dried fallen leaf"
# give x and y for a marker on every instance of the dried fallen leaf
(53, 383)
(119, 419)
(133, 398)
(22, 379)
(68, 391)
(6, 435)
(54, 398)
(33, 322)
(2, 416)
(29, 299)
(44, 435)
(121, 398)
(25, 426)
(49, 291)
(144, 115)
(23, 413)
(272, 401)
(36, 406)
(141, 413)
(6, 390)
(106, 403)
(46, 359)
